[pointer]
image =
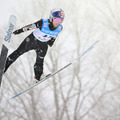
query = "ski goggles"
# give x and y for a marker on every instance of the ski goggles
(58, 20)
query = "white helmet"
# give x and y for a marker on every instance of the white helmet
(59, 13)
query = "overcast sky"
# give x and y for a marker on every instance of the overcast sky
(85, 22)
(9, 7)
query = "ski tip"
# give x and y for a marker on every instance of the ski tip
(97, 41)
(13, 16)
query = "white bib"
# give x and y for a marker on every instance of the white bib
(45, 34)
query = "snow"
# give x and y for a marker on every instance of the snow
(85, 22)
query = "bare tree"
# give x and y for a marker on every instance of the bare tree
(87, 90)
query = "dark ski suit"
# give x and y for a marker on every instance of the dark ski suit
(34, 42)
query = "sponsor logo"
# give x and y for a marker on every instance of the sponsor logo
(9, 32)
(33, 26)
(61, 14)
(45, 24)
(59, 28)
(49, 32)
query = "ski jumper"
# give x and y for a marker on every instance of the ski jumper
(43, 35)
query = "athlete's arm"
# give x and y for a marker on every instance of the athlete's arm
(51, 42)
(35, 25)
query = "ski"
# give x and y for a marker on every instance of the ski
(52, 74)
(6, 43)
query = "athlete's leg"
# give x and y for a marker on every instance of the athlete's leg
(38, 67)
(26, 45)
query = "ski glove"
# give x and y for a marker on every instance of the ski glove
(17, 31)
(50, 42)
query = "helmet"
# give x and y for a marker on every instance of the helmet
(59, 13)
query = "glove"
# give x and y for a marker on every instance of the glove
(17, 31)
(50, 42)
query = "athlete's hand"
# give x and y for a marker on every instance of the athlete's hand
(17, 31)
(50, 42)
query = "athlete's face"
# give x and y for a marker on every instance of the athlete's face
(55, 24)
(57, 21)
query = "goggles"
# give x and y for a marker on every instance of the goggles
(58, 20)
